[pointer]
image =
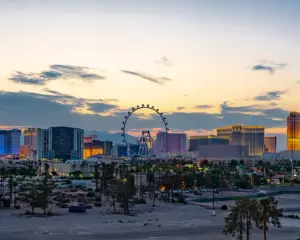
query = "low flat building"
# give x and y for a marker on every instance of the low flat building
(223, 151)
(196, 141)
(290, 154)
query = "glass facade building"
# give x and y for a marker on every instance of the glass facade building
(121, 150)
(65, 143)
(251, 136)
(10, 141)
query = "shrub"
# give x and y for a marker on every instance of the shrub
(139, 201)
(224, 207)
(181, 200)
(28, 212)
(98, 204)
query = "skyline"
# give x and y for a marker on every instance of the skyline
(205, 65)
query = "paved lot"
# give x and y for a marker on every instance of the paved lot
(166, 222)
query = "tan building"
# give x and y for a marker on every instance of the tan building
(293, 131)
(270, 144)
(251, 136)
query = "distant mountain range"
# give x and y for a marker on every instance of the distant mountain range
(114, 137)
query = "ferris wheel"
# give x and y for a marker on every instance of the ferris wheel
(160, 114)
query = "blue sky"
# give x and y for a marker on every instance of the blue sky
(89, 61)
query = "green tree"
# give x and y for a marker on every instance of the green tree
(241, 218)
(213, 181)
(125, 190)
(233, 164)
(113, 193)
(76, 174)
(45, 188)
(3, 176)
(268, 213)
(31, 194)
(11, 184)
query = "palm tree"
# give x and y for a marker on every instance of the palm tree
(96, 176)
(3, 176)
(11, 183)
(45, 188)
(268, 213)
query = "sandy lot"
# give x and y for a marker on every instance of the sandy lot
(165, 222)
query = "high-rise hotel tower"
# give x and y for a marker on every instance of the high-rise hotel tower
(293, 131)
(251, 136)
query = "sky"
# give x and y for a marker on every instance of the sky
(205, 64)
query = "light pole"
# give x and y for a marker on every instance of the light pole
(214, 210)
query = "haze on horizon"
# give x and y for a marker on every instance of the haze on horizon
(205, 64)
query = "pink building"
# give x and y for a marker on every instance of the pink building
(172, 143)
(89, 139)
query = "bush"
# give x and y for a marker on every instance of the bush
(17, 207)
(139, 201)
(181, 200)
(224, 207)
(28, 212)
(89, 206)
(91, 194)
(98, 204)
(173, 201)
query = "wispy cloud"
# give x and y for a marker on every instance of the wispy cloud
(274, 114)
(204, 106)
(101, 107)
(268, 66)
(79, 104)
(165, 61)
(180, 108)
(56, 72)
(270, 96)
(158, 80)
(226, 107)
